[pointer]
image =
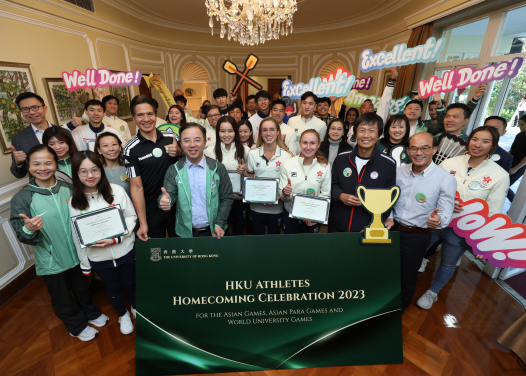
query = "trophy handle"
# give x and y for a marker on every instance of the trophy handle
(358, 190)
(397, 189)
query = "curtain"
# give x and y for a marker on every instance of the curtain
(407, 74)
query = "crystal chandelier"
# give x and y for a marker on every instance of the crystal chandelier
(252, 21)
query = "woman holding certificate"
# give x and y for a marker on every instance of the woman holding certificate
(113, 255)
(60, 140)
(308, 174)
(265, 162)
(229, 150)
(40, 218)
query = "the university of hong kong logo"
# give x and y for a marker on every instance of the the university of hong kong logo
(155, 254)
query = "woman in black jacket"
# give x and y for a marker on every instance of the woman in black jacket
(335, 141)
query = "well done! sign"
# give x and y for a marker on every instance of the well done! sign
(100, 78)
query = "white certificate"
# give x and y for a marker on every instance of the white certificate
(315, 209)
(106, 223)
(91, 144)
(236, 181)
(261, 190)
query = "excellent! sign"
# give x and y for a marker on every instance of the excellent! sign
(239, 304)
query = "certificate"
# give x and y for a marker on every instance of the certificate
(236, 181)
(315, 209)
(91, 144)
(106, 223)
(261, 190)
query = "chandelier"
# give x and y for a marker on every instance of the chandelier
(252, 21)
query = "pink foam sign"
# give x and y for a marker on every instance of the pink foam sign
(465, 76)
(100, 77)
(496, 238)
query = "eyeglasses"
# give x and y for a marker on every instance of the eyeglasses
(423, 149)
(95, 171)
(25, 110)
(214, 116)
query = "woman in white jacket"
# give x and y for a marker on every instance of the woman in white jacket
(478, 176)
(112, 259)
(308, 173)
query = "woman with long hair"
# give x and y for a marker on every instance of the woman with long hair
(396, 133)
(60, 140)
(265, 161)
(230, 151)
(246, 134)
(109, 149)
(112, 259)
(334, 142)
(309, 174)
(478, 176)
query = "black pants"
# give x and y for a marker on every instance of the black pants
(160, 222)
(200, 234)
(116, 280)
(237, 217)
(295, 226)
(269, 222)
(76, 310)
(412, 249)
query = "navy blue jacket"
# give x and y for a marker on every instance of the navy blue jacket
(505, 158)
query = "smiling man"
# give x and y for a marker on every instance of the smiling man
(111, 107)
(427, 196)
(457, 117)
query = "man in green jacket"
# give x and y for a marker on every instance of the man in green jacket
(200, 186)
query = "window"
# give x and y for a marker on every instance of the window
(464, 42)
(512, 39)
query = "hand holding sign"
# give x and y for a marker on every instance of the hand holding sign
(481, 89)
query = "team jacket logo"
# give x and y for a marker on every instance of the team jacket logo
(293, 174)
(452, 172)
(319, 176)
(155, 254)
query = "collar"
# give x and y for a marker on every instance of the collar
(314, 161)
(110, 116)
(305, 119)
(142, 140)
(97, 130)
(262, 115)
(277, 153)
(354, 153)
(424, 173)
(35, 129)
(202, 163)
(335, 142)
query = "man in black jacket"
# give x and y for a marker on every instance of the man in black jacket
(364, 165)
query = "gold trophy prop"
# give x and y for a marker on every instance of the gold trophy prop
(377, 202)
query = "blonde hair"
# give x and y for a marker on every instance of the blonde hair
(322, 159)
(279, 139)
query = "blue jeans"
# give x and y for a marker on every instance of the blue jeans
(451, 253)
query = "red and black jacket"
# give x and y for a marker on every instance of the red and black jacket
(379, 172)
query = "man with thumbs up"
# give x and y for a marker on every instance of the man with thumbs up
(427, 199)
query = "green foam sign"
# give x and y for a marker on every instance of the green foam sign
(355, 99)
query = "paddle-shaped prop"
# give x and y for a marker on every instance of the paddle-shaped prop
(250, 63)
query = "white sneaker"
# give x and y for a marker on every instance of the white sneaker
(458, 262)
(423, 266)
(87, 334)
(426, 301)
(133, 312)
(126, 323)
(100, 321)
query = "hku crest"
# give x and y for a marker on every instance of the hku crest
(155, 254)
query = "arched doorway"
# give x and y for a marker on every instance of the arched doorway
(195, 77)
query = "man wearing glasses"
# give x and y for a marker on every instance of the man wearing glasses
(212, 117)
(426, 202)
(147, 156)
(34, 110)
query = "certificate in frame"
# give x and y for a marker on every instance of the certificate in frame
(91, 144)
(237, 182)
(120, 227)
(249, 182)
(318, 200)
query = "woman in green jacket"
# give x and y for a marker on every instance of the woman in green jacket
(60, 140)
(40, 218)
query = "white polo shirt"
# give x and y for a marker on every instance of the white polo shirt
(83, 133)
(288, 135)
(258, 165)
(230, 159)
(119, 125)
(300, 124)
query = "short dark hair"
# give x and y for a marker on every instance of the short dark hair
(220, 93)
(500, 118)
(108, 98)
(276, 102)
(252, 96)
(192, 125)
(414, 101)
(143, 99)
(324, 99)
(523, 118)
(370, 118)
(93, 102)
(28, 95)
(181, 98)
(432, 103)
(263, 94)
(309, 94)
(235, 105)
(494, 135)
(208, 108)
(467, 111)
(41, 147)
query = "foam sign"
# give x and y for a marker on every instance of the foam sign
(363, 83)
(335, 84)
(355, 99)
(402, 55)
(100, 78)
(496, 238)
(465, 76)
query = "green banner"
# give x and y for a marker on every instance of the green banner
(253, 303)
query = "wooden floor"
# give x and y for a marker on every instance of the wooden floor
(456, 337)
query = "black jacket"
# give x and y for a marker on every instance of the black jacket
(343, 218)
(344, 146)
